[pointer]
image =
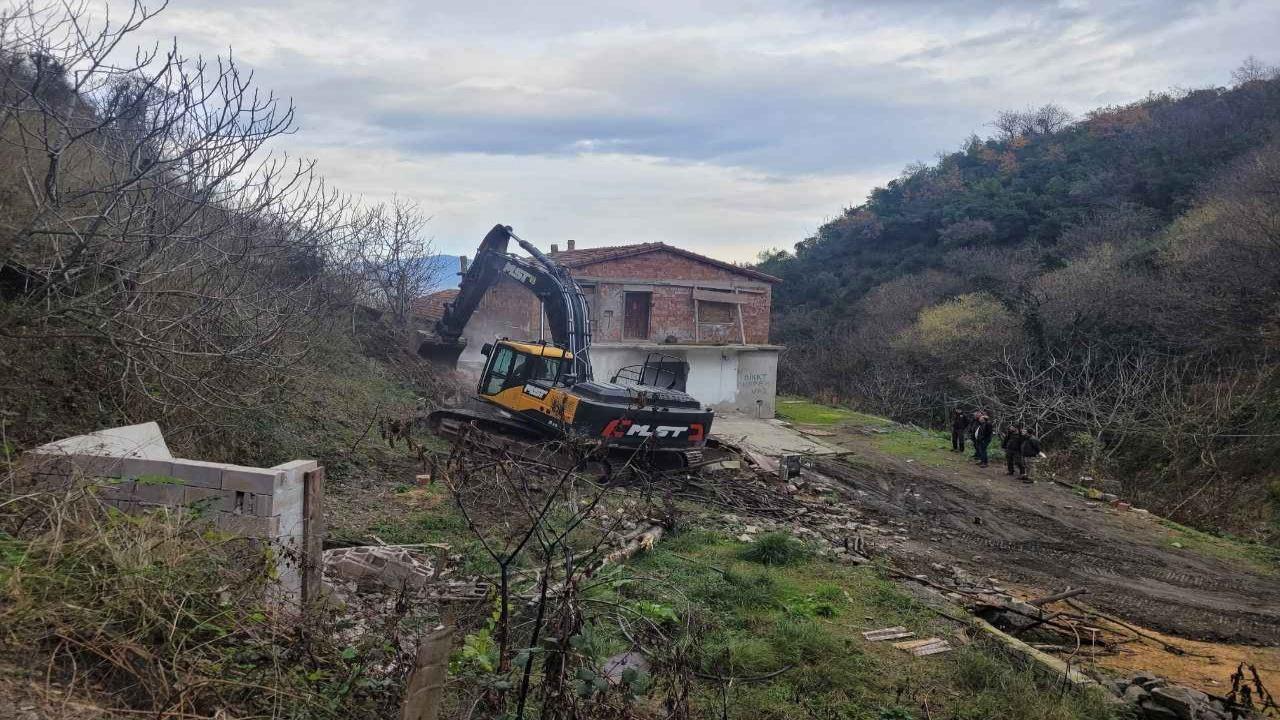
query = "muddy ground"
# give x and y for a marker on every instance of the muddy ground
(1045, 536)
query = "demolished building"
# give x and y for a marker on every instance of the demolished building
(711, 316)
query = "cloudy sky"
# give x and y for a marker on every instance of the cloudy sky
(724, 127)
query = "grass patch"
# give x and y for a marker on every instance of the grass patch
(775, 549)
(1263, 558)
(807, 615)
(807, 412)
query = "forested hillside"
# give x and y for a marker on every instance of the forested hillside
(1113, 280)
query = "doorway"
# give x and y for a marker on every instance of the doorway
(635, 315)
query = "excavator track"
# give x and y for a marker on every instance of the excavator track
(495, 430)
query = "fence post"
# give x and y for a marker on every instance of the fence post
(423, 696)
(312, 536)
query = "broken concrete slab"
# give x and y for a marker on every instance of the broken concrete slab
(130, 441)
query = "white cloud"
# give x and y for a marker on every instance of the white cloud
(723, 126)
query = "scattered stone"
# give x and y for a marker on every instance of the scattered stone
(746, 538)
(1184, 702)
(1134, 694)
(1156, 712)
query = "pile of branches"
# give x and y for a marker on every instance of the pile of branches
(555, 525)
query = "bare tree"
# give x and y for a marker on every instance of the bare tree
(1043, 120)
(399, 259)
(143, 213)
(1254, 70)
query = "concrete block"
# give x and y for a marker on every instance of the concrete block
(199, 473)
(210, 500)
(247, 525)
(112, 489)
(246, 503)
(93, 466)
(158, 493)
(251, 480)
(139, 467)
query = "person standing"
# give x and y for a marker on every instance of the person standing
(982, 438)
(1012, 446)
(972, 432)
(959, 423)
(1029, 450)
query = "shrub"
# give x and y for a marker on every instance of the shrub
(775, 549)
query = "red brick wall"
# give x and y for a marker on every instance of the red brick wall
(508, 308)
(671, 313)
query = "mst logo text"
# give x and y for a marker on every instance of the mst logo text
(628, 428)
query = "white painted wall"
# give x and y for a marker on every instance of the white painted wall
(743, 378)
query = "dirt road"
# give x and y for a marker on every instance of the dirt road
(1044, 536)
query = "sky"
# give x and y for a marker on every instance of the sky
(723, 127)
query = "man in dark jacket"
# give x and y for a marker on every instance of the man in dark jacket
(1012, 446)
(959, 424)
(1029, 450)
(982, 438)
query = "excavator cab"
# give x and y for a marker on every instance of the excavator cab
(511, 365)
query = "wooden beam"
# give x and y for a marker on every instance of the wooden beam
(312, 536)
(720, 296)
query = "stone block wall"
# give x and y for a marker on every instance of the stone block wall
(260, 503)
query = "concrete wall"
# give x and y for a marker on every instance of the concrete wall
(726, 377)
(253, 502)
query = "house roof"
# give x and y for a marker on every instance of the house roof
(431, 307)
(581, 257)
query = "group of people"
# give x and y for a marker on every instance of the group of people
(1020, 445)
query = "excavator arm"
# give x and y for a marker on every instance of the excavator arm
(562, 300)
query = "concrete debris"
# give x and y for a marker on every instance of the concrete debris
(394, 568)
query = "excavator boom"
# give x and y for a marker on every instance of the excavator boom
(562, 300)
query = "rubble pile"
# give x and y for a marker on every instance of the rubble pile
(1157, 699)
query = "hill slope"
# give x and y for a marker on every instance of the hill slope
(1112, 282)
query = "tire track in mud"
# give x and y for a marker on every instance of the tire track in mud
(1038, 536)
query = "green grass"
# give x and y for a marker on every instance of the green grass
(1262, 558)
(807, 412)
(808, 615)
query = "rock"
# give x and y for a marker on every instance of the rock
(1155, 711)
(1108, 497)
(746, 538)
(1184, 702)
(620, 663)
(1134, 694)
(1142, 678)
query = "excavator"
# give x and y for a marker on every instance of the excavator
(534, 390)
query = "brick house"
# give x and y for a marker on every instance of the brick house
(644, 298)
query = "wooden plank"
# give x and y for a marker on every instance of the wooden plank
(932, 649)
(312, 536)
(425, 693)
(891, 633)
(731, 298)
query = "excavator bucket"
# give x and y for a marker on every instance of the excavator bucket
(441, 353)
